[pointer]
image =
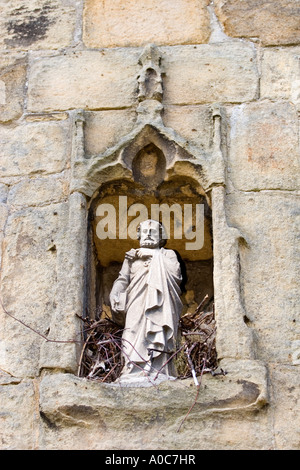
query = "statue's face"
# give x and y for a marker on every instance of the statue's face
(149, 234)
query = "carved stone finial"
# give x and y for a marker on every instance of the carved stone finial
(216, 110)
(150, 80)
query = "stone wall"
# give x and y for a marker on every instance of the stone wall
(62, 57)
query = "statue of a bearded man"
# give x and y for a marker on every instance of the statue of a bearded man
(146, 299)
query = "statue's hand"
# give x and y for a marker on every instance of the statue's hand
(144, 253)
(131, 254)
(118, 302)
(114, 302)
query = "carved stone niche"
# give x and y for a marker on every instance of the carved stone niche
(148, 166)
(92, 265)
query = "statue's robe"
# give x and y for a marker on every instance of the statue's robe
(152, 310)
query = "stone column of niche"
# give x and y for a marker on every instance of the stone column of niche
(150, 89)
(65, 326)
(234, 338)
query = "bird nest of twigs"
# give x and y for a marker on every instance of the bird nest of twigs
(197, 352)
(101, 357)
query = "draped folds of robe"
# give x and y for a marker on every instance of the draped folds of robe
(152, 309)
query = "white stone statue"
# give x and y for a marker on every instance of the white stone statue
(146, 298)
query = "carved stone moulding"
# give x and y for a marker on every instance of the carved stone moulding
(78, 402)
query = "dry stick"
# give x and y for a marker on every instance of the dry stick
(98, 363)
(196, 397)
(139, 367)
(107, 353)
(113, 368)
(200, 305)
(89, 328)
(132, 348)
(170, 358)
(95, 367)
(82, 352)
(193, 333)
(134, 362)
(113, 364)
(205, 316)
(37, 332)
(188, 353)
(197, 310)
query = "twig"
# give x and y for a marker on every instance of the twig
(82, 352)
(201, 304)
(193, 333)
(37, 332)
(188, 353)
(170, 358)
(139, 367)
(143, 360)
(196, 398)
(192, 406)
(111, 370)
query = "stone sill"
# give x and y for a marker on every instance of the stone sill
(67, 400)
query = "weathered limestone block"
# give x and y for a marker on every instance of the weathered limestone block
(194, 123)
(274, 23)
(32, 240)
(139, 22)
(264, 147)
(89, 79)
(224, 72)
(34, 148)
(18, 417)
(39, 191)
(269, 268)
(110, 125)
(233, 337)
(285, 405)
(12, 85)
(114, 417)
(38, 24)
(280, 77)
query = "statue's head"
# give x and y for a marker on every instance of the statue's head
(151, 234)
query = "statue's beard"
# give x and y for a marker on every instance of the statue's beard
(149, 243)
